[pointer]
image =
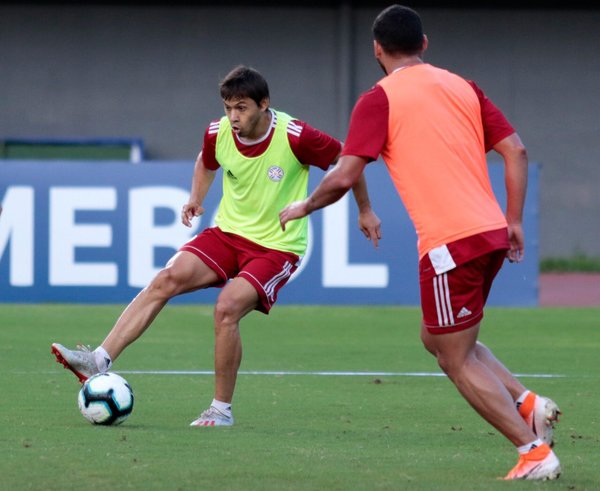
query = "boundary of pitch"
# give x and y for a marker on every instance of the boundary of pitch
(317, 373)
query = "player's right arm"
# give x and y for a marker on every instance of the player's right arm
(201, 183)
(515, 158)
(204, 174)
(501, 137)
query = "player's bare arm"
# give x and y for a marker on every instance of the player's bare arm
(334, 185)
(201, 182)
(368, 222)
(515, 159)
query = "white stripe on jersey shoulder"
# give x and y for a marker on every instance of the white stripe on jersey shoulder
(213, 127)
(294, 128)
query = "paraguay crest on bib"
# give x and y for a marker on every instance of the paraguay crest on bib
(275, 173)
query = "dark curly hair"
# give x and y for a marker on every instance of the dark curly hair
(398, 30)
(243, 81)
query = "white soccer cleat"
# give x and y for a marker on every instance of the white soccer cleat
(213, 417)
(540, 414)
(81, 362)
(545, 416)
(540, 464)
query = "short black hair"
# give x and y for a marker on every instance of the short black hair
(244, 81)
(398, 30)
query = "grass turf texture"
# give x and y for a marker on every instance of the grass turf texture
(296, 432)
(579, 263)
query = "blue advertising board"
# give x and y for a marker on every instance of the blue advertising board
(97, 232)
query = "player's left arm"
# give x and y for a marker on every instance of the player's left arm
(368, 222)
(313, 147)
(334, 185)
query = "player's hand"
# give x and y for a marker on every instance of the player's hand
(189, 211)
(293, 211)
(516, 239)
(370, 225)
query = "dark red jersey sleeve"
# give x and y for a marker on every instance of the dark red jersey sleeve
(311, 146)
(368, 127)
(495, 125)
(209, 146)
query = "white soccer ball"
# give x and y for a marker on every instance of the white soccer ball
(105, 399)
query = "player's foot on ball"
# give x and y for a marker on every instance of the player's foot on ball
(213, 417)
(541, 414)
(538, 464)
(81, 362)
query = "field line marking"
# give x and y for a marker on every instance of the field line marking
(317, 373)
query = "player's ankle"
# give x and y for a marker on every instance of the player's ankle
(223, 407)
(102, 359)
(531, 446)
(526, 403)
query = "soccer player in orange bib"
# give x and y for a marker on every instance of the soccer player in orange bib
(433, 129)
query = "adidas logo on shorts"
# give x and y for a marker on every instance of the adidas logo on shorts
(464, 312)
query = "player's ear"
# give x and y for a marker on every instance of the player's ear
(425, 43)
(376, 49)
(264, 104)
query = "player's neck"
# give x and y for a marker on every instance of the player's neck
(261, 130)
(400, 63)
(262, 127)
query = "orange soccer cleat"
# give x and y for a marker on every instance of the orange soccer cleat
(538, 464)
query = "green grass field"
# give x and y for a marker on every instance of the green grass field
(293, 431)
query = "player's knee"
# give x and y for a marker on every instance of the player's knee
(444, 363)
(226, 311)
(450, 364)
(427, 343)
(165, 284)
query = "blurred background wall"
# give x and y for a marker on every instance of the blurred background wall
(120, 69)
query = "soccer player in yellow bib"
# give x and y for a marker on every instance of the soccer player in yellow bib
(265, 156)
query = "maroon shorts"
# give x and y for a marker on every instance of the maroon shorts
(454, 300)
(230, 255)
